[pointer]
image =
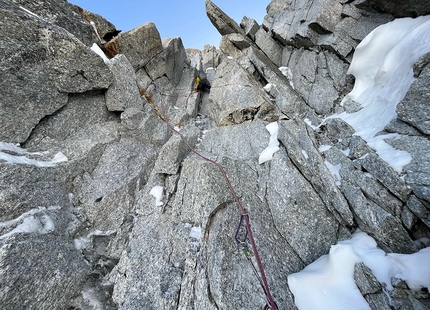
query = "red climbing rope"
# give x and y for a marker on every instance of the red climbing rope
(271, 303)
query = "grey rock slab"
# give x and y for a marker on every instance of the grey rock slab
(414, 108)
(174, 151)
(169, 62)
(81, 111)
(269, 46)
(234, 96)
(245, 141)
(211, 57)
(324, 15)
(301, 148)
(420, 209)
(399, 8)
(24, 187)
(372, 219)
(368, 184)
(221, 21)
(63, 14)
(301, 216)
(144, 126)
(123, 92)
(418, 170)
(386, 175)
(40, 269)
(120, 163)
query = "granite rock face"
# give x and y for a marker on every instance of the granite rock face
(104, 205)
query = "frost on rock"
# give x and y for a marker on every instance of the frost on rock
(328, 283)
(273, 146)
(382, 66)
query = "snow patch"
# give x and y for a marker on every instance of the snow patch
(288, 74)
(324, 148)
(96, 49)
(157, 192)
(309, 122)
(273, 146)
(382, 66)
(42, 224)
(397, 159)
(328, 283)
(269, 87)
(24, 160)
(196, 233)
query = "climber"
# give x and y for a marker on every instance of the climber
(202, 85)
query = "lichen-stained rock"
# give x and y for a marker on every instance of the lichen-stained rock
(414, 108)
(234, 96)
(139, 45)
(42, 62)
(123, 93)
(221, 21)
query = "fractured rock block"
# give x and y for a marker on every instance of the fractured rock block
(324, 15)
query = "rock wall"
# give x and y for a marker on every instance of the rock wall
(87, 233)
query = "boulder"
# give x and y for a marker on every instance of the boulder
(123, 93)
(139, 45)
(250, 26)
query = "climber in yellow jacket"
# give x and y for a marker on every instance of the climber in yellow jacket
(202, 85)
